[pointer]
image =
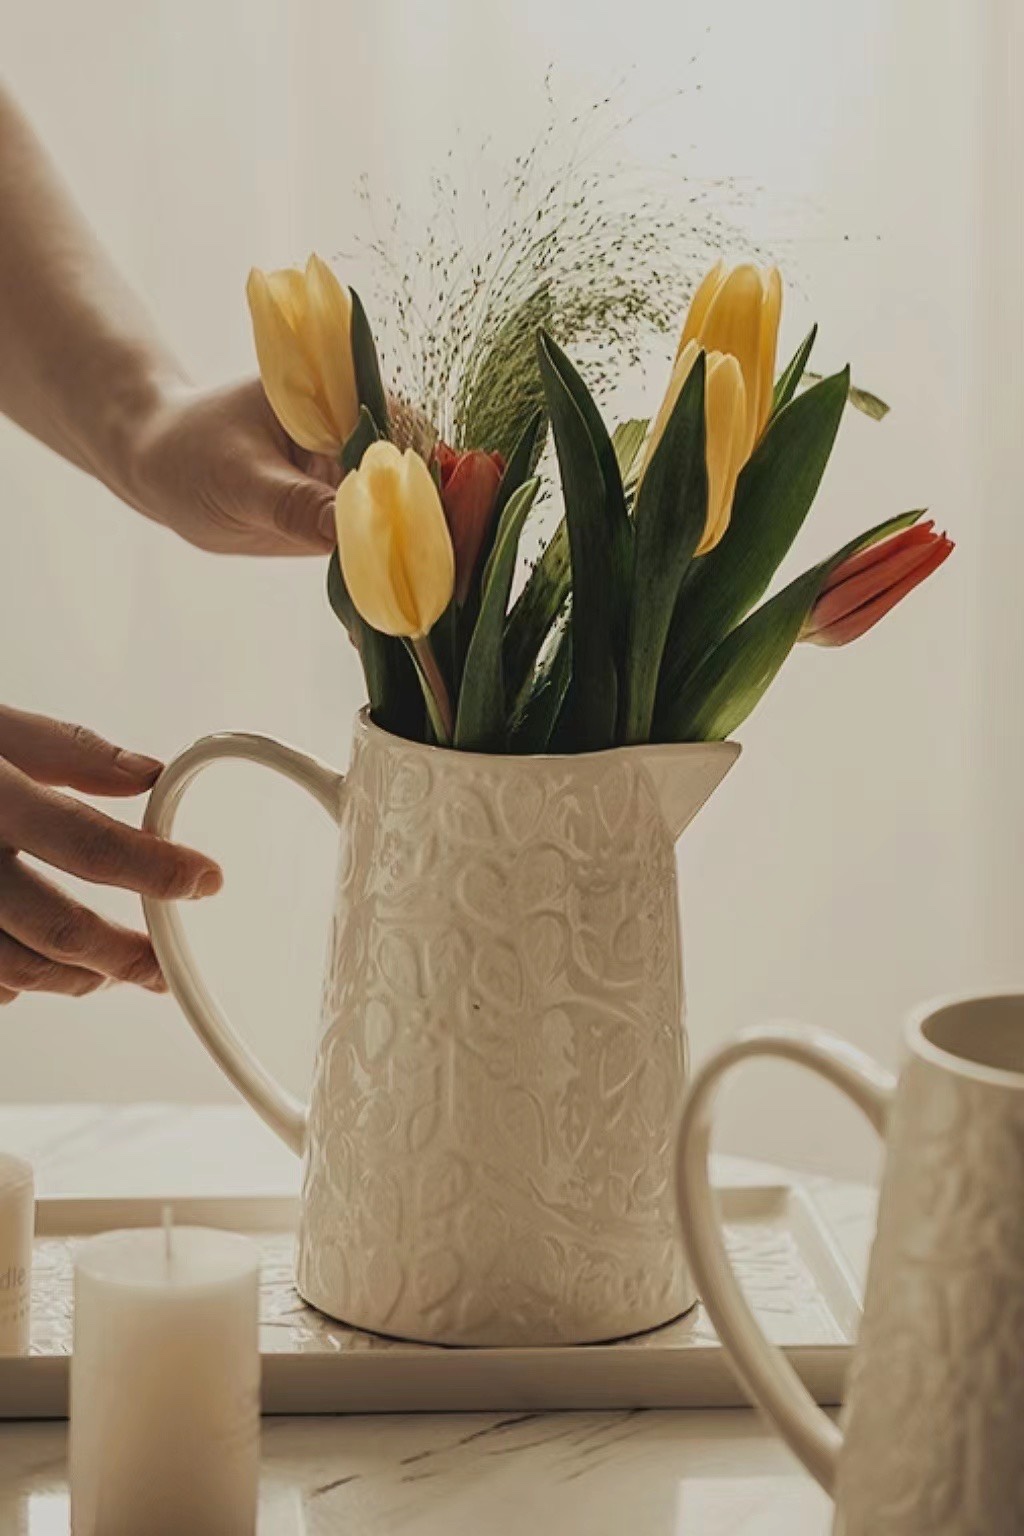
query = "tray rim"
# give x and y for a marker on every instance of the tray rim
(298, 1382)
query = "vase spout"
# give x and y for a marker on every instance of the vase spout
(686, 775)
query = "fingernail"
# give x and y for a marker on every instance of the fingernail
(137, 766)
(207, 884)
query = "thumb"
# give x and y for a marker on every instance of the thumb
(300, 509)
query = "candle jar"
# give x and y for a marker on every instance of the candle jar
(17, 1222)
(165, 1385)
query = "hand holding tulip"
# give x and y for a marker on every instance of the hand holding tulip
(83, 370)
(251, 469)
(218, 468)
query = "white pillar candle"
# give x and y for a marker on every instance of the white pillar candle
(17, 1225)
(165, 1385)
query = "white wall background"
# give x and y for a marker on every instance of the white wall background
(865, 853)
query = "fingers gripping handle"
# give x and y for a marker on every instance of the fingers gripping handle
(767, 1374)
(283, 1114)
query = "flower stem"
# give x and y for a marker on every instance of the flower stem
(435, 690)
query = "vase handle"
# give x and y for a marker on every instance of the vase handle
(767, 1374)
(283, 1113)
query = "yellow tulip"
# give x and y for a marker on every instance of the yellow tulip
(734, 318)
(738, 313)
(302, 324)
(725, 432)
(393, 542)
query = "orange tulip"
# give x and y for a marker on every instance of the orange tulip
(864, 588)
(469, 493)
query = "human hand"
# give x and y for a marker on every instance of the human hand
(48, 941)
(218, 468)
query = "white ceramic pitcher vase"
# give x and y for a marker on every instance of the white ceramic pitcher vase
(935, 1406)
(489, 1144)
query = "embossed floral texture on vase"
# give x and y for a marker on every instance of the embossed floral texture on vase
(492, 1120)
(647, 616)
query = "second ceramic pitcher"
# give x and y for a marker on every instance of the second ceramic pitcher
(935, 1405)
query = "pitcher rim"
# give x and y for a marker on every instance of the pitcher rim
(921, 1045)
(366, 722)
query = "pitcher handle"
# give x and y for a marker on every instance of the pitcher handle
(283, 1113)
(766, 1373)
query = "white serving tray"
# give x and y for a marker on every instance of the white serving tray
(792, 1270)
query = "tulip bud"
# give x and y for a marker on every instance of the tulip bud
(302, 324)
(393, 542)
(469, 493)
(734, 318)
(725, 432)
(864, 588)
(738, 313)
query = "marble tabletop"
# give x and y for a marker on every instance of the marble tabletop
(714, 1473)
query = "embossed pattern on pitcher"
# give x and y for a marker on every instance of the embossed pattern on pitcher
(502, 1055)
(936, 1399)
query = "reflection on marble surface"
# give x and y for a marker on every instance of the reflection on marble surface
(662, 1473)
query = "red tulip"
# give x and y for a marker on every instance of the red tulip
(863, 589)
(469, 491)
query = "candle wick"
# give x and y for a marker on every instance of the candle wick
(168, 1224)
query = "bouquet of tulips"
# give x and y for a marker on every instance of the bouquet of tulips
(645, 617)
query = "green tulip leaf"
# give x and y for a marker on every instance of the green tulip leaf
(868, 404)
(788, 382)
(391, 682)
(518, 469)
(535, 720)
(599, 544)
(670, 515)
(535, 610)
(616, 517)
(364, 434)
(337, 596)
(522, 461)
(369, 386)
(448, 642)
(547, 587)
(564, 737)
(481, 720)
(546, 590)
(861, 399)
(627, 440)
(733, 679)
(773, 496)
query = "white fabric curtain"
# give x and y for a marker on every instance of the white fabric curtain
(866, 851)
